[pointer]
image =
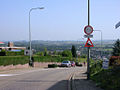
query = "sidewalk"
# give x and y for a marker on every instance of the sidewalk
(80, 82)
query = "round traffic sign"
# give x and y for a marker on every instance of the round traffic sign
(88, 29)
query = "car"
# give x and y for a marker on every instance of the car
(66, 64)
(72, 63)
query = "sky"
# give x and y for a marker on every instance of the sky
(59, 20)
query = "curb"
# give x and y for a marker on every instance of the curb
(71, 81)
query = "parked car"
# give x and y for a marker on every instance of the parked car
(72, 63)
(66, 64)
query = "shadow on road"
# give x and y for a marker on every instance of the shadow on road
(61, 85)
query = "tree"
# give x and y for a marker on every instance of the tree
(116, 48)
(55, 52)
(45, 52)
(73, 50)
(66, 53)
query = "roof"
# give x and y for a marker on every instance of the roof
(1, 42)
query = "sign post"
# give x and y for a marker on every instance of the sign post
(88, 30)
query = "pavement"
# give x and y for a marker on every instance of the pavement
(80, 82)
(36, 78)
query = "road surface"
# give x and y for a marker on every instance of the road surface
(37, 79)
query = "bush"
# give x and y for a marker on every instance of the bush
(80, 65)
(8, 60)
(52, 65)
(3, 53)
(50, 58)
(83, 56)
(108, 79)
(95, 66)
(67, 53)
(13, 53)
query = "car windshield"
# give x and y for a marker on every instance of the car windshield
(65, 62)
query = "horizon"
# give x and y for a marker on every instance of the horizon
(57, 40)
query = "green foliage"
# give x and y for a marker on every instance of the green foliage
(95, 66)
(66, 53)
(108, 79)
(8, 60)
(45, 52)
(83, 56)
(52, 65)
(50, 58)
(73, 50)
(3, 53)
(55, 53)
(11, 53)
(40, 53)
(116, 48)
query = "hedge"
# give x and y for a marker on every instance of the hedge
(8, 60)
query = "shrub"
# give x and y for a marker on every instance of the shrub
(8, 60)
(52, 65)
(80, 65)
(2, 53)
(83, 56)
(95, 67)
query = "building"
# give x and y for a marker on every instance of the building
(11, 47)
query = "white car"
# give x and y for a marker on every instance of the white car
(66, 63)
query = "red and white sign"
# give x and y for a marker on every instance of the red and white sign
(89, 43)
(88, 29)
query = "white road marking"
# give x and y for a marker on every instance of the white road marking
(3, 75)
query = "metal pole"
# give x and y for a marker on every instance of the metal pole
(30, 61)
(101, 46)
(88, 12)
(88, 51)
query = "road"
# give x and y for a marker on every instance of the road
(37, 79)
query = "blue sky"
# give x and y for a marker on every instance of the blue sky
(60, 20)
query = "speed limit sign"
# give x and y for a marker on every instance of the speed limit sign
(88, 29)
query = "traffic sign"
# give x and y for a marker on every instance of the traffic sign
(105, 64)
(89, 43)
(88, 36)
(88, 29)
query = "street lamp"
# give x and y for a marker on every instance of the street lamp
(101, 40)
(30, 61)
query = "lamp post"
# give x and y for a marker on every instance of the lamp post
(101, 40)
(30, 61)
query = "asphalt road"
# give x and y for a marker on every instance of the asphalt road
(37, 79)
